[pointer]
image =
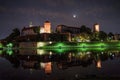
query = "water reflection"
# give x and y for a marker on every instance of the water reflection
(41, 59)
(49, 60)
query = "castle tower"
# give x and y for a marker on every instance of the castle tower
(96, 27)
(47, 27)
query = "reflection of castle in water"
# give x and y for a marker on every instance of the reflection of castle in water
(47, 61)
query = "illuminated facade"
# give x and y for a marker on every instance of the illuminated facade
(42, 30)
(48, 68)
(116, 36)
(67, 29)
(96, 27)
(98, 64)
(33, 30)
(47, 27)
(72, 31)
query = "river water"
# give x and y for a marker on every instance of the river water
(38, 64)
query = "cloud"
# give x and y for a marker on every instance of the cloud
(55, 3)
(2, 9)
(40, 12)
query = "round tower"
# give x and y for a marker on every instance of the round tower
(96, 27)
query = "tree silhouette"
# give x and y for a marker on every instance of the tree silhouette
(102, 36)
(110, 36)
(15, 33)
(84, 29)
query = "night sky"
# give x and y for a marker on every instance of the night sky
(19, 13)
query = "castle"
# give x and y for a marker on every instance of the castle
(33, 30)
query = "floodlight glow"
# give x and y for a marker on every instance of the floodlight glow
(9, 52)
(40, 51)
(101, 44)
(50, 53)
(97, 28)
(50, 42)
(82, 45)
(42, 30)
(98, 64)
(42, 65)
(1, 51)
(40, 44)
(1, 45)
(83, 49)
(9, 45)
(60, 45)
(60, 50)
(118, 44)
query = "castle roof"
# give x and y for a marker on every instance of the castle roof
(47, 21)
(28, 28)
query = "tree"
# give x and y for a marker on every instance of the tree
(84, 29)
(99, 36)
(102, 36)
(110, 36)
(85, 34)
(83, 37)
(36, 30)
(95, 36)
(15, 33)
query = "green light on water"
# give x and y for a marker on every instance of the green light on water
(101, 44)
(118, 44)
(41, 52)
(83, 49)
(60, 45)
(1, 51)
(9, 52)
(9, 45)
(1, 46)
(91, 49)
(99, 49)
(82, 45)
(60, 50)
(97, 46)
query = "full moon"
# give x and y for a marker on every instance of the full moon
(74, 16)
